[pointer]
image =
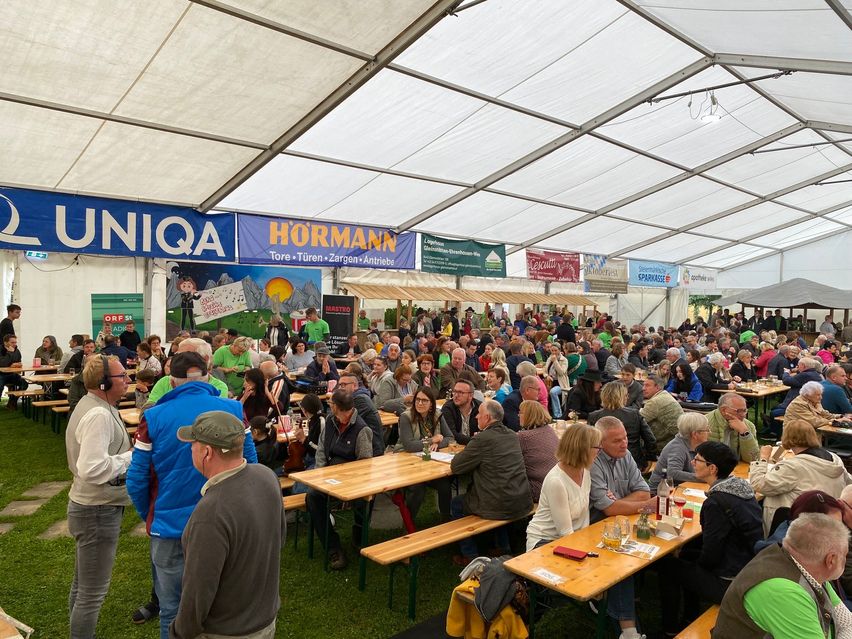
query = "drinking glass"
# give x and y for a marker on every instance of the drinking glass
(624, 527)
(612, 535)
(679, 502)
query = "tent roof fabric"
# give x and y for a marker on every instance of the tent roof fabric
(535, 124)
(795, 293)
(428, 294)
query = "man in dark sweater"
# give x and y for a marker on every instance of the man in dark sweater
(232, 542)
(10, 357)
(130, 338)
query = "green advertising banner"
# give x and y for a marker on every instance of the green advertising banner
(118, 309)
(462, 257)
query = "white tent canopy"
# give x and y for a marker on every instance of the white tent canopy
(534, 124)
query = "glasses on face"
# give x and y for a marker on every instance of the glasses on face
(597, 447)
(422, 400)
(461, 392)
(703, 461)
(122, 375)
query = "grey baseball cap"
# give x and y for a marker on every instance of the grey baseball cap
(216, 428)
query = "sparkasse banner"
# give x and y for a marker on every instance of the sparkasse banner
(652, 274)
(104, 226)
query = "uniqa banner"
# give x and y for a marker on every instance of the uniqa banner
(101, 226)
(654, 274)
(462, 257)
(698, 279)
(603, 275)
(550, 266)
(275, 240)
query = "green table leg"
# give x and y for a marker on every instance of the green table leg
(412, 586)
(533, 601)
(600, 632)
(327, 525)
(365, 540)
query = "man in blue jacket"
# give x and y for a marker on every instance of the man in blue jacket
(807, 370)
(834, 398)
(162, 481)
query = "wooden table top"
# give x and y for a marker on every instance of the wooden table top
(295, 398)
(834, 430)
(39, 379)
(587, 579)
(760, 390)
(27, 369)
(130, 416)
(368, 477)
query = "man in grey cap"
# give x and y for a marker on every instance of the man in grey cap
(161, 482)
(323, 368)
(232, 542)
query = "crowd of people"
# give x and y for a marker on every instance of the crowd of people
(505, 383)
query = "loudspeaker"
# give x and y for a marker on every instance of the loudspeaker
(106, 382)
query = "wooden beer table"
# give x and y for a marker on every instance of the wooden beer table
(28, 369)
(759, 392)
(365, 478)
(592, 577)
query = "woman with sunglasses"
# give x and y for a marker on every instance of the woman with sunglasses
(423, 421)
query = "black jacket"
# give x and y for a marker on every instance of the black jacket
(512, 363)
(795, 382)
(640, 438)
(367, 411)
(283, 335)
(512, 410)
(731, 523)
(566, 332)
(779, 364)
(638, 362)
(451, 416)
(745, 374)
(710, 379)
(602, 355)
(578, 402)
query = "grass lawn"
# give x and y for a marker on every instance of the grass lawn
(36, 574)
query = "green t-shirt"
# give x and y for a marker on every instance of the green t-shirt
(745, 337)
(364, 323)
(164, 385)
(784, 610)
(316, 331)
(224, 358)
(605, 338)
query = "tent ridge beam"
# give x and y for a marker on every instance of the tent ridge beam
(121, 119)
(675, 180)
(840, 10)
(834, 127)
(781, 227)
(608, 115)
(833, 67)
(369, 70)
(281, 28)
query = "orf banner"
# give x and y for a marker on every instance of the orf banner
(339, 312)
(654, 274)
(550, 266)
(462, 257)
(602, 275)
(281, 241)
(117, 309)
(100, 226)
(698, 279)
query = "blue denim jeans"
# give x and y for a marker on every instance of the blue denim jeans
(95, 530)
(621, 601)
(468, 547)
(556, 402)
(167, 557)
(299, 487)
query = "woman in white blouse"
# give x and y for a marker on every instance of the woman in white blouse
(564, 503)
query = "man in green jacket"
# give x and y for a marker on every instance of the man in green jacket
(499, 488)
(728, 424)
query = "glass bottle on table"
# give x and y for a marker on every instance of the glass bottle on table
(664, 489)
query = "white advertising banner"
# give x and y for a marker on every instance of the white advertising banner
(698, 279)
(220, 301)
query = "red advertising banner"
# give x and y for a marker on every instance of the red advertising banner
(553, 267)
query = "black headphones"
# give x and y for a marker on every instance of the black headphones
(106, 382)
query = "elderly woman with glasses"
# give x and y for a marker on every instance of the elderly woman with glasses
(676, 457)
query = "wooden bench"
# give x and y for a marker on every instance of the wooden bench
(57, 412)
(26, 397)
(701, 627)
(47, 403)
(410, 547)
(296, 503)
(286, 483)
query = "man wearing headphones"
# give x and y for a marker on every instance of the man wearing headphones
(162, 482)
(98, 451)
